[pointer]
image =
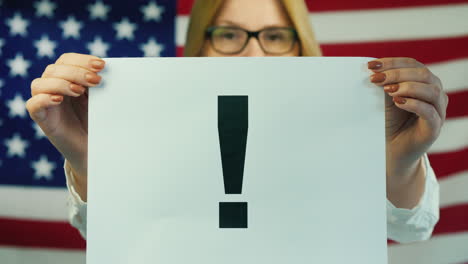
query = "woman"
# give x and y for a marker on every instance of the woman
(415, 102)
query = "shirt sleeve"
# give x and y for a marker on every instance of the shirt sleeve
(410, 225)
(76, 207)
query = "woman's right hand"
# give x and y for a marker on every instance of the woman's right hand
(59, 105)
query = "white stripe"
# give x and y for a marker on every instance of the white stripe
(453, 136)
(11, 255)
(377, 24)
(453, 74)
(34, 203)
(181, 25)
(391, 24)
(452, 248)
(454, 190)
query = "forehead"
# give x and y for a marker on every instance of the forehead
(253, 14)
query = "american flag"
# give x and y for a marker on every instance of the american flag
(33, 215)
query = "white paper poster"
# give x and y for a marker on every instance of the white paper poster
(236, 160)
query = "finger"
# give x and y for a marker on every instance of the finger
(72, 74)
(38, 104)
(425, 111)
(423, 75)
(429, 93)
(56, 86)
(384, 64)
(88, 62)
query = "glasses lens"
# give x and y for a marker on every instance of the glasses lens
(277, 40)
(228, 40)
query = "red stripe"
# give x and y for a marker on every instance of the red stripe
(447, 163)
(179, 51)
(453, 219)
(184, 6)
(458, 104)
(41, 234)
(426, 50)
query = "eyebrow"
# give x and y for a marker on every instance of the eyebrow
(243, 26)
(230, 23)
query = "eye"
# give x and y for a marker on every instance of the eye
(228, 35)
(275, 36)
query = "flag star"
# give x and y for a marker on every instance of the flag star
(71, 28)
(18, 66)
(98, 10)
(2, 42)
(17, 25)
(125, 29)
(17, 106)
(39, 133)
(43, 168)
(45, 47)
(16, 146)
(98, 47)
(152, 12)
(151, 48)
(45, 8)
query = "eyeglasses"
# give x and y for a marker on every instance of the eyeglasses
(231, 40)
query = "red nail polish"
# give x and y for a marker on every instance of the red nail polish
(391, 88)
(378, 77)
(399, 100)
(57, 98)
(77, 88)
(374, 65)
(92, 78)
(97, 64)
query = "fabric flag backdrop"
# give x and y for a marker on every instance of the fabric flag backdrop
(33, 213)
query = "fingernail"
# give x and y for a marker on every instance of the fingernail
(391, 88)
(97, 64)
(374, 65)
(399, 100)
(77, 88)
(378, 77)
(57, 98)
(92, 78)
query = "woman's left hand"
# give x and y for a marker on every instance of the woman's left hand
(415, 109)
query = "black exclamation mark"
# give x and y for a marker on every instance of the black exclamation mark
(232, 129)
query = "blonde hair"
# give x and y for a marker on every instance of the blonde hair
(204, 12)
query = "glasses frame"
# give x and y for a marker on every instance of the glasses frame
(250, 34)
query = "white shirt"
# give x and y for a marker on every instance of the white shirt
(403, 225)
